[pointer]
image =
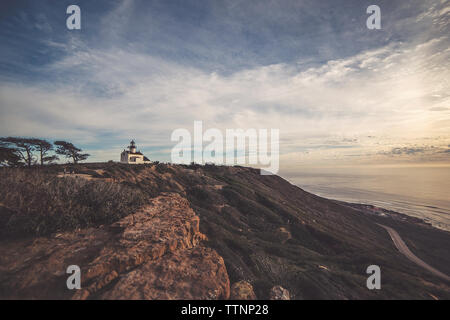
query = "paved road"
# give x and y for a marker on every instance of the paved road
(401, 246)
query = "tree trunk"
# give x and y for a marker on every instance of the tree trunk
(28, 157)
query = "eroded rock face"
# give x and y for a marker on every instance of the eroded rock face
(152, 254)
(279, 293)
(242, 290)
(195, 273)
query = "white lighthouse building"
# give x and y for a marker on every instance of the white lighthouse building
(132, 156)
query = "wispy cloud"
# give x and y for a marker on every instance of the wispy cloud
(333, 107)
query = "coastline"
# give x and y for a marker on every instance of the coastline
(417, 192)
(421, 209)
(383, 212)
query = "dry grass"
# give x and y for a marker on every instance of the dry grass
(37, 203)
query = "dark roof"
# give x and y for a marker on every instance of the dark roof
(146, 159)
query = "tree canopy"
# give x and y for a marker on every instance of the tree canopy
(22, 147)
(68, 150)
(9, 157)
(17, 151)
(43, 147)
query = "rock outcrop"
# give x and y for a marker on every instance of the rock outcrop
(242, 290)
(268, 231)
(152, 254)
(279, 293)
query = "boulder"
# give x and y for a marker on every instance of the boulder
(279, 293)
(242, 290)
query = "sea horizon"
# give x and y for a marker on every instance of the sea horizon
(415, 191)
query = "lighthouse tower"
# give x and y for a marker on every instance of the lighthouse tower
(132, 147)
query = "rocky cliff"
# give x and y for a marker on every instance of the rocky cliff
(201, 232)
(155, 253)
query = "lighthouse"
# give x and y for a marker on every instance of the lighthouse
(131, 156)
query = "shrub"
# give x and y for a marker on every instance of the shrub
(40, 204)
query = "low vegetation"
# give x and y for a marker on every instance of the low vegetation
(268, 231)
(36, 203)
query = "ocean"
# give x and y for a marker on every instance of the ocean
(421, 192)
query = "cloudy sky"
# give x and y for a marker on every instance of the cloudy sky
(341, 94)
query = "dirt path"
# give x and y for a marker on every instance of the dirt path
(403, 248)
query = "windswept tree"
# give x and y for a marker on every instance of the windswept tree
(23, 147)
(68, 150)
(44, 147)
(9, 157)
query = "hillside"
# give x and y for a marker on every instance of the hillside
(267, 231)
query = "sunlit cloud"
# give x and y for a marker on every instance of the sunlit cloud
(376, 105)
